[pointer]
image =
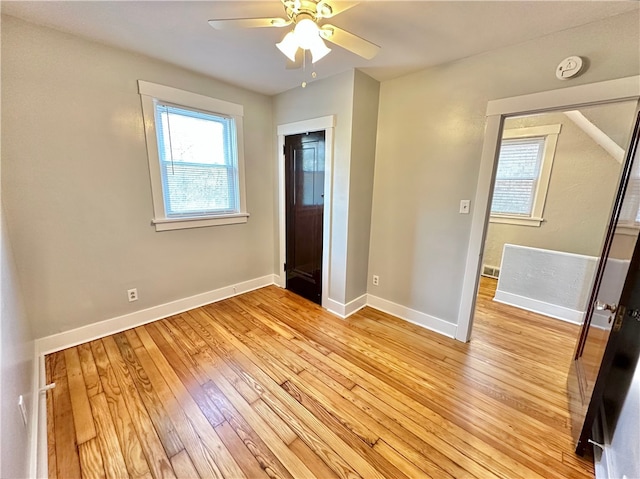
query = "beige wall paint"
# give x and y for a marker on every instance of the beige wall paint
(76, 183)
(331, 96)
(583, 184)
(622, 246)
(430, 134)
(612, 120)
(353, 98)
(366, 92)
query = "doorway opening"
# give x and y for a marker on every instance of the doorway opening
(596, 110)
(564, 99)
(556, 185)
(556, 181)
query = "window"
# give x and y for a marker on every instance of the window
(195, 152)
(523, 175)
(629, 220)
(517, 176)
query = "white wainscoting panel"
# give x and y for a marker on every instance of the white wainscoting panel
(557, 283)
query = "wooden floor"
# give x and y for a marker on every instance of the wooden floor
(268, 385)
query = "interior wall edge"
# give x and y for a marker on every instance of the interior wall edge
(345, 310)
(38, 454)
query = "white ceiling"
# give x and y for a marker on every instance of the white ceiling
(413, 35)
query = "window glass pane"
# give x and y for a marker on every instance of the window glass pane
(312, 177)
(513, 197)
(517, 176)
(630, 211)
(197, 161)
(192, 189)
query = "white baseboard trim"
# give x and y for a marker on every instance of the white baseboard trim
(600, 320)
(280, 280)
(346, 310)
(412, 316)
(107, 327)
(540, 307)
(356, 304)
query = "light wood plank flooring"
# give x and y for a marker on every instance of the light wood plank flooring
(268, 385)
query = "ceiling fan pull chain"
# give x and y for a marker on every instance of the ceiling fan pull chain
(313, 73)
(304, 68)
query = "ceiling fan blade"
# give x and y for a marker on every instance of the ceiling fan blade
(349, 41)
(336, 8)
(229, 23)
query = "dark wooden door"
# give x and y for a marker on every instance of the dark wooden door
(610, 330)
(304, 184)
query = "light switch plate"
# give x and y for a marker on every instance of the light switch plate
(464, 206)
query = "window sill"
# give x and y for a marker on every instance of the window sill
(516, 220)
(630, 230)
(168, 224)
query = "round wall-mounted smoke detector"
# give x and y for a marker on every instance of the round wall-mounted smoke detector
(569, 67)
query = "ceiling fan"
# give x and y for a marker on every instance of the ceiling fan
(307, 33)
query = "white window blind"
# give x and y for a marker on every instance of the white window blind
(517, 177)
(198, 163)
(630, 212)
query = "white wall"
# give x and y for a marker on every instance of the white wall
(16, 360)
(624, 452)
(77, 191)
(16, 367)
(430, 134)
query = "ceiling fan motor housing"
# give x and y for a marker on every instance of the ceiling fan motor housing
(307, 8)
(308, 33)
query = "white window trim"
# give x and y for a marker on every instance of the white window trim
(550, 132)
(628, 230)
(149, 94)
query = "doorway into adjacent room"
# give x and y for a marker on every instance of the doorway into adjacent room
(556, 180)
(563, 217)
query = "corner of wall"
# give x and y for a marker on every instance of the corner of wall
(366, 96)
(16, 350)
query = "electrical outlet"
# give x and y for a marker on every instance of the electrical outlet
(23, 409)
(132, 294)
(376, 280)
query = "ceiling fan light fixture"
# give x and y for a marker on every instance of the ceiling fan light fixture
(319, 50)
(289, 46)
(306, 32)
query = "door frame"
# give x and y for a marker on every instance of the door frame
(609, 91)
(326, 124)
